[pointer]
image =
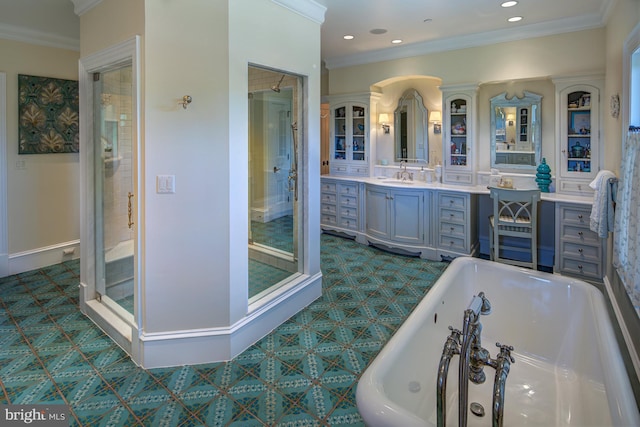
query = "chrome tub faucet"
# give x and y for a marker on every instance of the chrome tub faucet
(473, 358)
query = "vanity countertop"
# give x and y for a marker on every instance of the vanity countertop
(473, 189)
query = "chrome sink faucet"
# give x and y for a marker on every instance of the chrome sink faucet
(404, 174)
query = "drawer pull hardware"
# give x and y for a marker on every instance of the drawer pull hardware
(580, 216)
(580, 250)
(580, 233)
(580, 267)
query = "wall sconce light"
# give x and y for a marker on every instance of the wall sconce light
(186, 100)
(511, 118)
(383, 119)
(435, 117)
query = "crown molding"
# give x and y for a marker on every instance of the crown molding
(467, 41)
(307, 8)
(82, 6)
(20, 34)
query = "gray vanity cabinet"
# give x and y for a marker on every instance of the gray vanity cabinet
(339, 206)
(395, 215)
(456, 216)
(579, 251)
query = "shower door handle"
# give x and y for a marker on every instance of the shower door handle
(130, 196)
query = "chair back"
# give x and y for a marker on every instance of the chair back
(515, 210)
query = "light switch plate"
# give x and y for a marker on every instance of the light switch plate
(165, 184)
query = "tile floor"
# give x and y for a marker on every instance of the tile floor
(302, 374)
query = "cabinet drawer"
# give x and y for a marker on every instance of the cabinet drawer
(359, 170)
(350, 189)
(458, 178)
(348, 200)
(575, 215)
(329, 187)
(328, 219)
(579, 188)
(581, 252)
(348, 212)
(328, 209)
(328, 197)
(452, 229)
(447, 200)
(349, 223)
(452, 215)
(453, 243)
(339, 169)
(582, 268)
(579, 234)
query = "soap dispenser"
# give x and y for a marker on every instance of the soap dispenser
(422, 175)
(438, 172)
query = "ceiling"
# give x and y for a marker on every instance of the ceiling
(424, 26)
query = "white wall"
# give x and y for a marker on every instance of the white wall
(43, 190)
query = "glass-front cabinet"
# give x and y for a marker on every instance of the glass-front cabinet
(349, 138)
(459, 133)
(578, 159)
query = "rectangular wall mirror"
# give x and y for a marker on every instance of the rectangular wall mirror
(515, 131)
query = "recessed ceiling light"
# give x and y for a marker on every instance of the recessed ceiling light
(515, 19)
(348, 37)
(509, 3)
(396, 41)
(378, 31)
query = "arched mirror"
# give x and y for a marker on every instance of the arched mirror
(411, 136)
(515, 131)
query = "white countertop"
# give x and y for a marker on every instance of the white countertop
(472, 189)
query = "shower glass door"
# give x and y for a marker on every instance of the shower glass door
(114, 188)
(273, 180)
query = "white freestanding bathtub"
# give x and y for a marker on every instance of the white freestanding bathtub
(568, 370)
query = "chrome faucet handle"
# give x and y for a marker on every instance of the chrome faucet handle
(505, 352)
(456, 333)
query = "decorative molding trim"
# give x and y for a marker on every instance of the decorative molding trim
(218, 344)
(467, 41)
(20, 34)
(43, 257)
(82, 6)
(307, 8)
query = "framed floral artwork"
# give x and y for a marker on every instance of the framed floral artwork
(48, 115)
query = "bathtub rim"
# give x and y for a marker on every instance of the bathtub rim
(373, 404)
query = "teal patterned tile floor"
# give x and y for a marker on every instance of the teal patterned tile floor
(304, 373)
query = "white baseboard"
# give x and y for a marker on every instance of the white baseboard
(40, 257)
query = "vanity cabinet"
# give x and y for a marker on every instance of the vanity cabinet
(578, 133)
(395, 215)
(459, 133)
(579, 251)
(456, 215)
(339, 206)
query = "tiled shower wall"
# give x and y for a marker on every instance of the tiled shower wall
(118, 174)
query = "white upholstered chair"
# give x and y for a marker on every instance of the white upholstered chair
(514, 227)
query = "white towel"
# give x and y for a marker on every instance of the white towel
(602, 217)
